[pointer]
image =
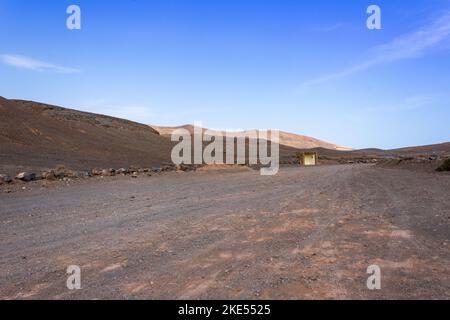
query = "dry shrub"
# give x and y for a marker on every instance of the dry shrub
(445, 166)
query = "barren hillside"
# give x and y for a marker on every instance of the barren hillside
(40, 136)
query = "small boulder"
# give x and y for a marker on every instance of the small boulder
(60, 173)
(49, 175)
(96, 172)
(133, 169)
(185, 167)
(26, 176)
(108, 172)
(122, 171)
(5, 178)
(168, 168)
(85, 174)
(78, 175)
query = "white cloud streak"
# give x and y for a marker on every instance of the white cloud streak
(409, 46)
(28, 63)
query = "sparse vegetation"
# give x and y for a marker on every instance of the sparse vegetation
(445, 166)
(405, 159)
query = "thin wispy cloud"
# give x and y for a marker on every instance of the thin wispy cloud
(409, 46)
(28, 63)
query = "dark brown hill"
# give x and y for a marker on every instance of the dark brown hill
(40, 136)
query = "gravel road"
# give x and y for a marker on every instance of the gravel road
(306, 233)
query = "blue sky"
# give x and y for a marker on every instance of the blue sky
(310, 67)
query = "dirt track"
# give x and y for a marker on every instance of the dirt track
(306, 233)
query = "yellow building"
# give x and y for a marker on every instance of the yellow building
(309, 159)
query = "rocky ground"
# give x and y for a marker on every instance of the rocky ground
(306, 233)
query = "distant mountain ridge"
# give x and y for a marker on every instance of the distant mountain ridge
(287, 139)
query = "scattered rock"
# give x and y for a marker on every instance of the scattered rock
(84, 174)
(63, 174)
(133, 169)
(108, 172)
(72, 175)
(185, 167)
(96, 172)
(60, 172)
(26, 176)
(123, 171)
(49, 175)
(5, 178)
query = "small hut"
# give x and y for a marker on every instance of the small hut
(309, 158)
